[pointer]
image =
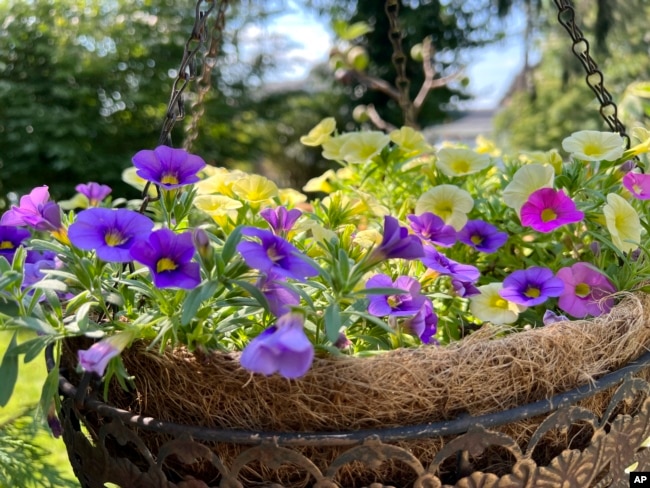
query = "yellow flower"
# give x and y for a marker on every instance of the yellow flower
(220, 181)
(458, 161)
(487, 146)
(552, 158)
(290, 197)
(526, 180)
(489, 306)
(320, 183)
(254, 188)
(220, 207)
(321, 133)
(363, 146)
(332, 146)
(622, 222)
(643, 136)
(130, 177)
(448, 202)
(593, 145)
(410, 141)
(367, 238)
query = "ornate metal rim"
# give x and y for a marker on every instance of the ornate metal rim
(442, 428)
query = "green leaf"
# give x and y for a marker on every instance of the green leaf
(230, 246)
(55, 285)
(9, 308)
(10, 279)
(195, 298)
(8, 372)
(254, 292)
(37, 325)
(50, 389)
(332, 320)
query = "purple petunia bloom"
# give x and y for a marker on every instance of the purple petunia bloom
(10, 239)
(638, 184)
(482, 236)
(432, 228)
(109, 232)
(397, 243)
(551, 317)
(585, 291)
(531, 286)
(279, 297)
(406, 302)
(274, 256)
(35, 263)
(35, 210)
(424, 324)
(464, 289)
(100, 353)
(168, 167)
(94, 192)
(547, 209)
(280, 219)
(283, 348)
(445, 266)
(169, 258)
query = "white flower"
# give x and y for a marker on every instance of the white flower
(489, 306)
(458, 161)
(526, 180)
(448, 202)
(593, 145)
(622, 222)
(360, 147)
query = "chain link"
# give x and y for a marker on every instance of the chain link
(595, 79)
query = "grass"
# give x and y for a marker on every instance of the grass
(51, 452)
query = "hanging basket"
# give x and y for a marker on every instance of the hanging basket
(568, 403)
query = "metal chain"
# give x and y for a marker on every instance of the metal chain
(595, 79)
(399, 62)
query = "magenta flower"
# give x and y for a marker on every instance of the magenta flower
(547, 209)
(100, 353)
(638, 184)
(169, 258)
(10, 239)
(283, 348)
(274, 256)
(280, 219)
(482, 236)
(168, 167)
(406, 300)
(585, 291)
(109, 232)
(423, 324)
(279, 297)
(443, 265)
(35, 210)
(532, 286)
(432, 228)
(396, 243)
(94, 192)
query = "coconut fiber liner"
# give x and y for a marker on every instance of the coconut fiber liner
(486, 372)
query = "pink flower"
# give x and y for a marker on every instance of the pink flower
(638, 184)
(547, 209)
(585, 291)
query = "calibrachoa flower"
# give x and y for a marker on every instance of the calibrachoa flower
(638, 185)
(283, 348)
(35, 263)
(490, 306)
(531, 286)
(547, 209)
(551, 317)
(254, 188)
(432, 228)
(10, 239)
(35, 210)
(94, 192)
(97, 357)
(464, 289)
(320, 133)
(525, 181)
(280, 298)
(169, 258)
(585, 291)
(458, 161)
(363, 146)
(406, 300)
(623, 223)
(423, 324)
(410, 141)
(443, 265)
(280, 219)
(168, 167)
(593, 145)
(482, 236)
(274, 255)
(109, 232)
(397, 243)
(448, 202)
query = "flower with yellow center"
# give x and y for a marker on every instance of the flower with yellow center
(165, 264)
(290, 197)
(220, 181)
(255, 188)
(552, 158)
(220, 207)
(321, 183)
(332, 146)
(458, 161)
(527, 180)
(361, 147)
(368, 238)
(593, 145)
(320, 133)
(489, 306)
(622, 222)
(410, 141)
(448, 202)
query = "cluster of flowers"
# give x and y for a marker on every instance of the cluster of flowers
(410, 244)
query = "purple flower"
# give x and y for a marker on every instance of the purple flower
(432, 228)
(406, 302)
(274, 256)
(638, 184)
(464, 289)
(168, 167)
(551, 317)
(279, 297)
(397, 243)
(547, 209)
(109, 232)
(35, 211)
(100, 353)
(35, 263)
(424, 324)
(448, 267)
(169, 258)
(11, 238)
(94, 192)
(280, 219)
(283, 348)
(531, 286)
(585, 291)
(482, 236)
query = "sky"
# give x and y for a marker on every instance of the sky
(490, 69)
